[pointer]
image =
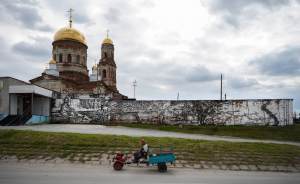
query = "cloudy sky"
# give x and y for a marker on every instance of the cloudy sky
(168, 46)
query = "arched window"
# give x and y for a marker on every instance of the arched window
(69, 58)
(60, 58)
(104, 74)
(54, 57)
(83, 62)
(78, 59)
(105, 54)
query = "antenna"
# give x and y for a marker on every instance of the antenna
(221, 92)
(134, 84)
(70, 16)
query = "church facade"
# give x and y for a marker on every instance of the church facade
(68, 72)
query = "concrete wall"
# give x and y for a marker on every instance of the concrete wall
(77, 109)
(4, 95)
(14, 104)
(55, 85)
(30, 89)
(41, 106)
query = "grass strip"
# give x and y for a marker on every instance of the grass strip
(32, 144)
(282, 133)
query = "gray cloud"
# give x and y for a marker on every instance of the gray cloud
(14, 65)
(81, 18)
(81, 10)
(237, 6)
(113, 15)
(38, 48)
(24, 12)
(240, 82)
(200, 74)
(232, 11)
(283, 62)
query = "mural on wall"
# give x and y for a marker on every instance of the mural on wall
(102, 109)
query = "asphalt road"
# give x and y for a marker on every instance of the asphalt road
(119, 130)
(25, 173)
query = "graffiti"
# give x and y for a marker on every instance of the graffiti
(69, 114)
(265, 109)
(100, 109)
(206, 111)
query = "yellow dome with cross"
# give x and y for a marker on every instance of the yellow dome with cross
(69, 33)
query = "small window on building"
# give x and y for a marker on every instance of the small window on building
(104, 74)
(105, 54)
(78, 59)
(69, 58)
(60, 58)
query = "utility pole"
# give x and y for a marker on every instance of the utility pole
(134, 86)
(221, 94)
(177, 96)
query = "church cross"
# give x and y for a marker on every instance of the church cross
(70, 16)
(107, 31)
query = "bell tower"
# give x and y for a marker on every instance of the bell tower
(107, 66)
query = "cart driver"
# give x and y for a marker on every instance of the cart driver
(144, 148)
(142, 153)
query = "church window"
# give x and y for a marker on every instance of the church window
(104, 74)
(60, 58)
(83, 62)
(69, 58)
(78, 59)
(105, 54)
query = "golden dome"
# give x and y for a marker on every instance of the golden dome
(52, 61)
(107, 41)
(68, 33)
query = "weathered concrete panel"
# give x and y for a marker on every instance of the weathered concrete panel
(79, 109)
(4, 93)
(41, 106)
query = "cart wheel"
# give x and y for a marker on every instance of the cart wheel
(162, 167)
(118, 166)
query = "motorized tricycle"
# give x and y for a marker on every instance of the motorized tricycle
(159, 157)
